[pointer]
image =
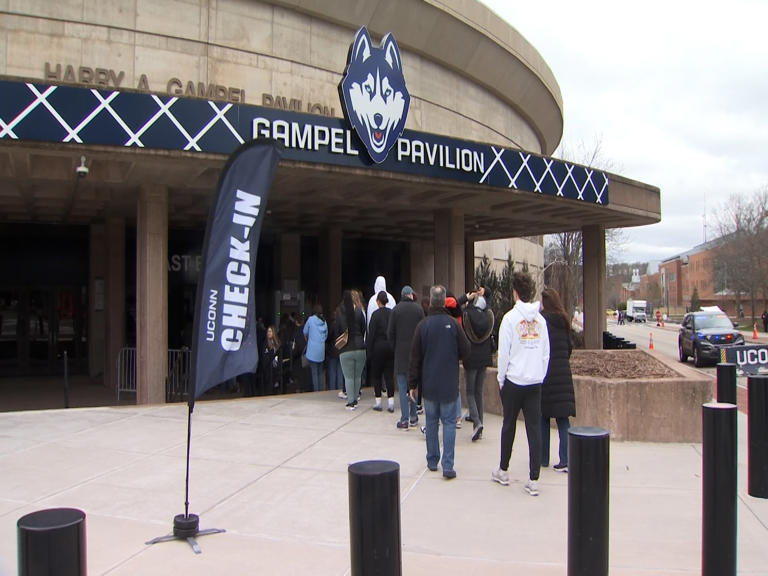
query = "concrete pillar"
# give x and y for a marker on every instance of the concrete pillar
(152, 294)
(114, 298)
(97, 262)
(593, 247)
(422, 271)
(449, 249)
(469, 264)
(330, 269)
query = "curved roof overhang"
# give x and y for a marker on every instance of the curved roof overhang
(38, 184)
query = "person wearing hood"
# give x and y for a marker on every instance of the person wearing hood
(380, 353)
(438, 345)
(379, 285)
(316, 332)
(523, 359)
(478, 323)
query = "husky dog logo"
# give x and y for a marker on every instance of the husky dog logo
(374, 94)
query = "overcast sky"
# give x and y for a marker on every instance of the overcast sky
(676, 92)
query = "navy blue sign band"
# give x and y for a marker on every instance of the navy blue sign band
(70, 114)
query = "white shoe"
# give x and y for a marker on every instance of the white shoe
(458, 422)
(500, 476)
(342, 395)
(532, 487)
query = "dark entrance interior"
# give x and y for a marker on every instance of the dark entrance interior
(43, 299)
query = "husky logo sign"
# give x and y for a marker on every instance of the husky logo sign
(374, 94)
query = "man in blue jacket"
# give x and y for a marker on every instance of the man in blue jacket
(438, 345)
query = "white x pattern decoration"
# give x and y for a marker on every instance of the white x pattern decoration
(521, 160)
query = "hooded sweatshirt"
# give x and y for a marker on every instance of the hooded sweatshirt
(379, 285)
(523, 345)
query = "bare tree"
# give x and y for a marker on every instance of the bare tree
(563, 251)
(741, 263)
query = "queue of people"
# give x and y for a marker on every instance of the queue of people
(418, 349)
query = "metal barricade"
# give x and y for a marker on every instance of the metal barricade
(126, 371)
(177, 379)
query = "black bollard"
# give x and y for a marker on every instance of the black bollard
(757, 433)
(726, 383)
(374, 518)
(588, 473)
(52, 542)
(718, 542)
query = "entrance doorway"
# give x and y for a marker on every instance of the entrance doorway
(39, 326)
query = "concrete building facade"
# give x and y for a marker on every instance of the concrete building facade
(114, 208)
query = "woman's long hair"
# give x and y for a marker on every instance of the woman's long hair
(348, 308)
(551, 303)
(273, 341)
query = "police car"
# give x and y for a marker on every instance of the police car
(704, 333)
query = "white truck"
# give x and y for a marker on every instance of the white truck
(636, 310)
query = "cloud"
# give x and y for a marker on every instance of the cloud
(677, 98)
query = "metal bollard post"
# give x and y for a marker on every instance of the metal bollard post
(726, 383)
(374, 518)
(718, 542)
(588, 473)
(757, 433)
(52, 542)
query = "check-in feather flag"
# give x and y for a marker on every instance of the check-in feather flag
(225, 324)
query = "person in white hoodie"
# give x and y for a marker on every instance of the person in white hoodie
(379, 285)
(523, 358)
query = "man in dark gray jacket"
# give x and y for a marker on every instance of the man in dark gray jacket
(402, 324)
(438, 345)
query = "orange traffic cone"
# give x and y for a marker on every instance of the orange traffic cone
(754, 332)
(650, 344)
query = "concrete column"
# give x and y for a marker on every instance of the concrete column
(114, 298)
(152, 294)
(593, 247)
(469, 264)
(422, 271)
(97, 262)
(449, 249)
(330, 269)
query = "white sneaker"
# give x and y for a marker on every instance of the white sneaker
(458, 422)
(342, 395)
(500, 476)
(532, 487)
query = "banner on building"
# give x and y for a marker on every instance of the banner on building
(224, 325)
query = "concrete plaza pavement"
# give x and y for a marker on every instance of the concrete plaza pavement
(272, 472)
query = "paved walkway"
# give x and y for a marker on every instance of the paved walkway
(272, 471)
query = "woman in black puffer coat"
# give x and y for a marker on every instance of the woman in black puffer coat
(558, 400)
(478, 325)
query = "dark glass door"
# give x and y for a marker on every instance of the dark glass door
(39, 325)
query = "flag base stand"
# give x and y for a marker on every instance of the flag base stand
(186, 527)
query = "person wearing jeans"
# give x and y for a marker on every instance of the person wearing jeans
(402, 324)
(316, 331)
(351, 318)
(478, 325)
(438, 345)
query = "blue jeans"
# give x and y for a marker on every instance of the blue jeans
(563, 424)
(316, 368)
(407, 406)
(334, 374)
(444, 412)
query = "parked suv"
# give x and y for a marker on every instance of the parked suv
(704, 333)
